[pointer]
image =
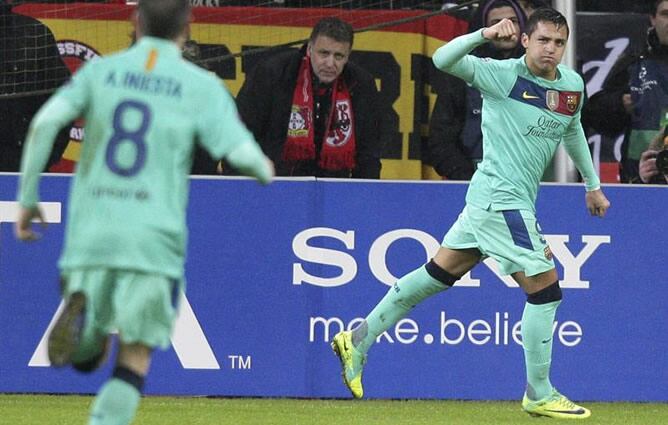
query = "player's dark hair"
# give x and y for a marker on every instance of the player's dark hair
(333, 28)
(546, 14)
(163, 18)
(656, 6)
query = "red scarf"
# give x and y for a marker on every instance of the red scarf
(338, 146)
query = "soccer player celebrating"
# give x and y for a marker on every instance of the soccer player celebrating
(530, 105)
(123, 259)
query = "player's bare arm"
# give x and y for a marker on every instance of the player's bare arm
(597, 203)
(502, 30)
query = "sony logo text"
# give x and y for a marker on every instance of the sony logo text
(572, 262)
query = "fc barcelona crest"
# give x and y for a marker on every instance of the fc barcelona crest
(552, 99)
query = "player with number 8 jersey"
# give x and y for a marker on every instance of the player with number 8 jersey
(122, 265)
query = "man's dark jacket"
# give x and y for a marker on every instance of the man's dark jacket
(265, 101)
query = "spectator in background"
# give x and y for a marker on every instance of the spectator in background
(455, 146)
(649, 173)
(30, 69)
(634, 98)
(313, 111)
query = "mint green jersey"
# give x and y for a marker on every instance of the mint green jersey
(524, 118)
(144, 110)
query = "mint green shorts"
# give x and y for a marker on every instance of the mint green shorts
(512, 237)
(142, 307)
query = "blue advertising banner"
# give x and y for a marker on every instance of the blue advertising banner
(274, 272)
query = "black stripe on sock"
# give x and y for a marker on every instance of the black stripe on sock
(440, 274)
(546, 295)
(125, 374)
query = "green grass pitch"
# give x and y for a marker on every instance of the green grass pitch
(66, 410)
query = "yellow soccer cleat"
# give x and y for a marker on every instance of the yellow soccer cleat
(352, 362)
(555, 406)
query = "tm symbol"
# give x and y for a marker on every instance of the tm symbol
(240, 362)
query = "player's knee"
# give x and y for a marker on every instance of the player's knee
(440, 274)
(546, 295)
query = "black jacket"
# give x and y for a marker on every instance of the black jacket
(605, 113)
(30, 69)
(264, 103)
(455, 138)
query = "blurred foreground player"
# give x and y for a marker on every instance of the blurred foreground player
(123, 259)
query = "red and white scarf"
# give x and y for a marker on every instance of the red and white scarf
(338, 146)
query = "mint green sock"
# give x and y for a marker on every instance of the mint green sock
(116, 404)
(537, 322)
(409, 291)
